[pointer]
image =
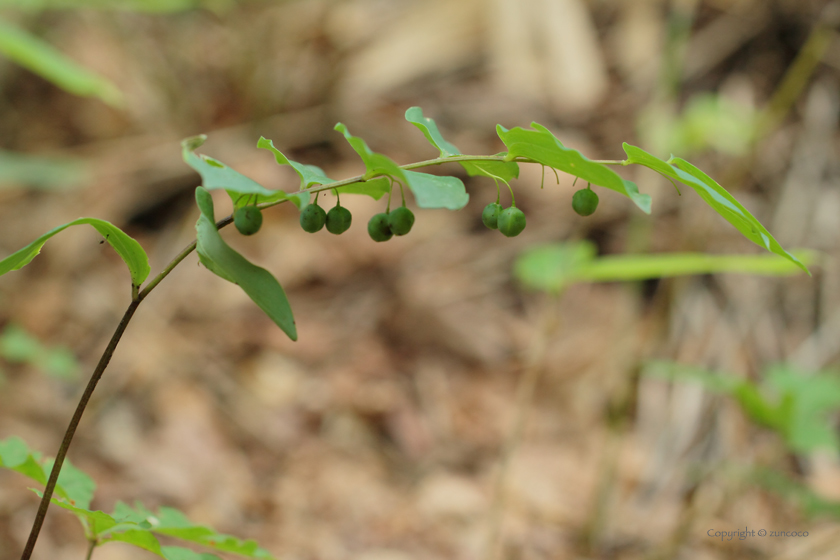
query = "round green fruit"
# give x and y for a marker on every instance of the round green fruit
(247, 220)
(312, 218)
(490, 215)
(401, 220)
(379, 229)
(338, 220)
(585, 201)
(511, 221)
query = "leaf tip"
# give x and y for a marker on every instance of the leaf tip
(193, 142)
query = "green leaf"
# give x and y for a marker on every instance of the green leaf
(73, 484)
(623, 268)
(433, 191)
(141, 538)
(126, 247)
(375, 163)
(427, 126)
(217, 175)
(501, 170)
(179, 553)
(15, 455)
(551, 268)
(221, 259)
(374, 188)
(542, 146)
(76, 486)
(309, 174)
(94, 521)
(40, 172)
(170, 521)
(715, 196)
(39, 57)
(18, 346)
(505, 170)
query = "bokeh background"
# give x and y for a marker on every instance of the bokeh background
(382, 432)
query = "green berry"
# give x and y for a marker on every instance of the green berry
(511, 221)
(379, 229)
(490, 215)
(585, 201)
(338, 220)
(401, 220)
(247, 220)
(312, 218)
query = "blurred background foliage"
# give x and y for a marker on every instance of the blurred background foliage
(433, 408)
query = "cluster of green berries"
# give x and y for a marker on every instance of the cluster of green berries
(385, 225)
(510, 221)
(313, 218)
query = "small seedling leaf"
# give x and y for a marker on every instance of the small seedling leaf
(224, 261)
(715, 196)
(126, 247)
(433, 191)
(542, 146)
(18, 346)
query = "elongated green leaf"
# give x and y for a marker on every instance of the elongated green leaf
(551, 267)
(715, 196)
(41, 172)
(126, 247)
(432, 191)
(39, 57)
(639, 267)
(309, 174)
(542, 146)
(217, 175)
(375, 163)
(505, 170)
(221, 259)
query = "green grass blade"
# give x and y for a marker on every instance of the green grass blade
(39, 57)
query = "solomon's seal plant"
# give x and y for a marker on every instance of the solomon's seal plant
(534, 145)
